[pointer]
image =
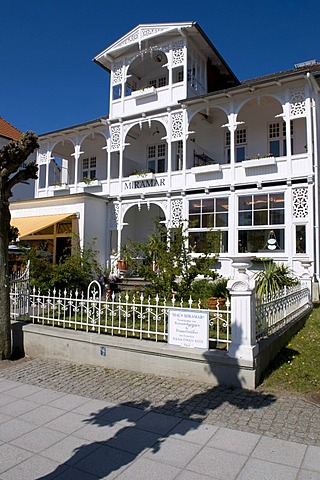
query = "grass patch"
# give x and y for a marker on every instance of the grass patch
(296, 368)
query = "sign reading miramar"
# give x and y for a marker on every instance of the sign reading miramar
(145, 183)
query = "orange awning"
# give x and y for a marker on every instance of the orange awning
(29, 225)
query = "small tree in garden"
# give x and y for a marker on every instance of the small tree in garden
(274, 278)
(13, 170)
(72, 273)
(76, 271)
(168, 261)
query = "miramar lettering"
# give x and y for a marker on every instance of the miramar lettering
(150, 182)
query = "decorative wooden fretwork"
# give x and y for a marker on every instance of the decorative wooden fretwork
(176, 212)
(117, 72)
(297, 102)
(177, 126)
(115, 138)
(114, 216)
(130, 39)
(300, 202)
(177, 53)
(42, 155)
(147, 32)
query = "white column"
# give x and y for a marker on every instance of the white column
(169, 146)
(286, 118)
(122, 147)
(184, 145)
(36, 183)
(243, 322)
(76, 155)
(48, 160)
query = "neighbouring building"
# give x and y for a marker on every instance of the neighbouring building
(7, 133)
(186, 141)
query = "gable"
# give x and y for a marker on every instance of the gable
(9, 131)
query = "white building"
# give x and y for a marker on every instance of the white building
(238, 157)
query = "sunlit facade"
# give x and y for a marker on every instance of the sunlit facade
(186, 142)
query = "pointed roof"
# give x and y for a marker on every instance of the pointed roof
(138, 35)
(147, 35)
(9, 131)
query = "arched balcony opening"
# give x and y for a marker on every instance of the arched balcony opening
(93, 161)
(146, 71)
(263, 132)
(146, 149)
(206, 146)
(61, 166)
(140, 222)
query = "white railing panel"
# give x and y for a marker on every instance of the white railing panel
(275, 312)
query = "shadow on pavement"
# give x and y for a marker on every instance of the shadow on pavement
(123, 432)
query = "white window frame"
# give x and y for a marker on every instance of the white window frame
(201, 228)
(240, 145)
(270, 229)
(159, 157)
(89, 168)
(277, 135)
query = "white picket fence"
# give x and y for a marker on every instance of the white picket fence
(274, 312)
(136, 316)
(141, 317)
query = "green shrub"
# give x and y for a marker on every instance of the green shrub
(274, 278)
(206, 288)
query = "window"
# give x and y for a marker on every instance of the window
(89, 166)
(277, 139)
(240, 144)
(300, 239)
(158, 82)
(265, 211)
(179, 155)
(116, 92)
(156, 157)
(208, 215)
(177, 75)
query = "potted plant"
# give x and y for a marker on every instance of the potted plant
(125, 257)
(219, 292)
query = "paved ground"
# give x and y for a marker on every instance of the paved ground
(66, 421)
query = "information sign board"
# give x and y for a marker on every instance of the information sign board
(188, 328)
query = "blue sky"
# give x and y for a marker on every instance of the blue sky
(48, 80)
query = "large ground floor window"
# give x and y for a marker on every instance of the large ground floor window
(208, 224)
(261, 220)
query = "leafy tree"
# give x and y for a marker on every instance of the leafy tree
(168, 262)
(13, 170)
(72, 273)
(41, 269)
(76, 271)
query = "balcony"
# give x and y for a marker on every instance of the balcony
(89, 184)
(256, 162)
(204, 164)
(144, 92)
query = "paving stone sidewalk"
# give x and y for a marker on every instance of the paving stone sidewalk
(286, 416)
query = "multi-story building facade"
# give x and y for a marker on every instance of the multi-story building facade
(186, 141)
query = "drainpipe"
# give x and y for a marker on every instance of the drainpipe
(316, 179)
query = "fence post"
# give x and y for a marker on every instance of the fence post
(243, 322)
(306, 277)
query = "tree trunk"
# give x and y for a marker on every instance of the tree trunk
(5, 323)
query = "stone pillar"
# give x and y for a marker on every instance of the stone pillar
(243, 322)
